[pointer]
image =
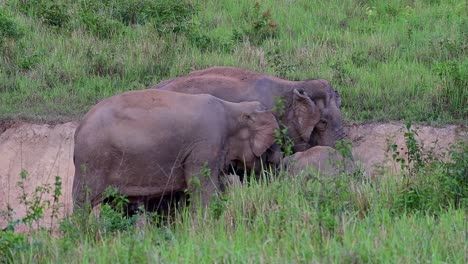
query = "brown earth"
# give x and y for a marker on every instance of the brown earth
(46, 151)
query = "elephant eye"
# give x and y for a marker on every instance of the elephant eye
(322, 124)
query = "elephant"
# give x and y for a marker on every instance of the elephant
(151, 143)
(323, 160)
(310, 109)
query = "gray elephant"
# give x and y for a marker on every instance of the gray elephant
(310, 109)
(151, 143)
(323, 160)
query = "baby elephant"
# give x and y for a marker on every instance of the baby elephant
(325, 161)
(152, 143)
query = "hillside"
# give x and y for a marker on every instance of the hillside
(390, 60)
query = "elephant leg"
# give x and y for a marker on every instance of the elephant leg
(202, 175)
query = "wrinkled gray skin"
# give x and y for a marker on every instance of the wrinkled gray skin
(312, 107)
(151, 143)
(326, 161)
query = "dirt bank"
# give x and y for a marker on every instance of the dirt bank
(46, 151)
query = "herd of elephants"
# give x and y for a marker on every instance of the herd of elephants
(194, 131)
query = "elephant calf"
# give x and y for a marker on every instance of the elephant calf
(325, 161)
(151, 143)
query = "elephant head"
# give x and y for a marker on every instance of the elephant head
(315, 116)
(253, 135)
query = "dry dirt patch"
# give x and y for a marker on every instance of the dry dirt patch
(46, 151)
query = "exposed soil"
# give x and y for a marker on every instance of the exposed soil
(46, 151)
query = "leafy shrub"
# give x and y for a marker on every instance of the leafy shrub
(53, 14)
(10, 242)
(261, 27)
(113, 217)
(276, 60)
(8, 28)
(35, 205)
(49, 12)
(430, 184)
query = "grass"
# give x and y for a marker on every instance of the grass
(415, 215)
(390, 60)
(282, 221)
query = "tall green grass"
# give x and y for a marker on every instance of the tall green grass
(286, 220)
(390, 60)
(415, 215)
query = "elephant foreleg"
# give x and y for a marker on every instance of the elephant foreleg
(202, 178)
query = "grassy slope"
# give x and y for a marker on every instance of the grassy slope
(390, 60)
(404, 59)
(341, 220)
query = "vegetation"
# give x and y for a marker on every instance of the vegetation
(390, 60)
(414, 215)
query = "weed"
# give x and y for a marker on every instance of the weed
(261, 27)
(9, 29)
(430, 184)
(283, 140)
(205, 170)
(415, 157)
(11, 242)
(277, 62)
(280, 106)
(114, 216)
(35, 203)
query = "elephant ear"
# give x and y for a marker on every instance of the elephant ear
(306, 114)
(262, 125)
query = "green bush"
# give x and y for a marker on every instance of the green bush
(113, 217)
(11, 242)
(9, 29)
(261, 27)
(430, 184)
(50, 12)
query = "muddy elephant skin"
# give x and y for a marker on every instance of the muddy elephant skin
(325, 161)
(310, 108)
(151, 143)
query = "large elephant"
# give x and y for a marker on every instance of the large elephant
(310, 110)
(151, 143)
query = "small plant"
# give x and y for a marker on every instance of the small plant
(430, 184)
(118, 201)
(341, 73)
(280, 106)
(277, 62)
(11, 242)
(53, 14)
(262, 27)
(414, 158)
(205, 170)
(8, 28)
(283, 140)
(35, 203)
